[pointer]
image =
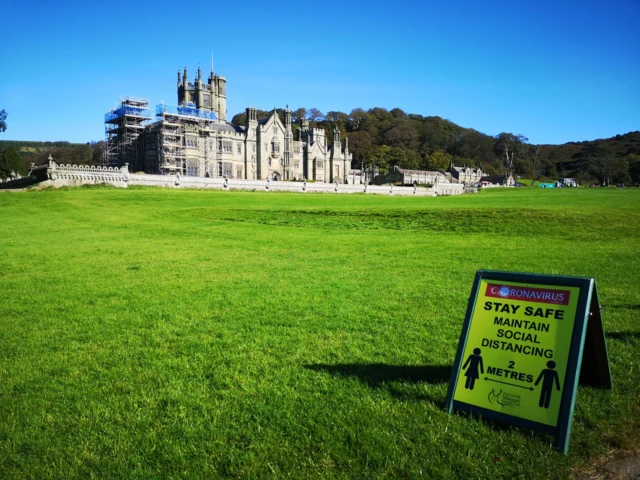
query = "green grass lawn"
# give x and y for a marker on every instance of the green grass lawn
(150, 333)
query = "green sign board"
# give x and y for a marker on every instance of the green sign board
(524, 341)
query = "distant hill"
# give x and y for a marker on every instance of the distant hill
(61, 152)
(587, 161)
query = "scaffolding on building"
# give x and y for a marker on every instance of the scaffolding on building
(123, 126)
(172, 151)
(188, 110)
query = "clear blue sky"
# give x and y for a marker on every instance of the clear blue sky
(555, 71)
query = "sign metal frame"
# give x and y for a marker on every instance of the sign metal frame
(590, 367)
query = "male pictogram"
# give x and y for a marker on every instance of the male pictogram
(548, 376)
(474, 361)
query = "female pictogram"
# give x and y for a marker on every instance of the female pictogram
(474, 361)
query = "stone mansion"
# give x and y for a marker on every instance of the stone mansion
(195, 139)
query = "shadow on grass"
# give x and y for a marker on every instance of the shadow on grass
(382, 376)
(622, 307)
(623, 335)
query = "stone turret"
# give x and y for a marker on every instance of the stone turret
(183, 90)
(199, 96)
(287, 118)
(288, 138)
(252, 119)
(219, 94)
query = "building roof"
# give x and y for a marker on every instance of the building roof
(418, 172)
(226, 127)
(494, 179)
(462, 169)
(264, 120)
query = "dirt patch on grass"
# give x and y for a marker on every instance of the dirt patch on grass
(619, 465)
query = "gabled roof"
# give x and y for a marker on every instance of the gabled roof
(494, 179)
(418, 172)
(226, 127)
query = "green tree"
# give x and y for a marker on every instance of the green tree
(380, 156)
(402, 135)
(511, 149)
(360, 146)
(357, 119)
(412, 160)
(475, 146)
(337, 118)
(608, 167)
(385, 157)
(97, 152)
(298, 114)
(595, 159)
(438, 161)
(432, 133)
(239, 119)
(3, 121)
(633, 161)
(490, 170)
(533, 152)
(11, 163)
(315, 115)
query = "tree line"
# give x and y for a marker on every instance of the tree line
(16, 157)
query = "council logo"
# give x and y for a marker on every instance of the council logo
(504, 399)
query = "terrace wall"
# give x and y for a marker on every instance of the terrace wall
(76, 175)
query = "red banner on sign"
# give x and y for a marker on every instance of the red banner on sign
(528, 294)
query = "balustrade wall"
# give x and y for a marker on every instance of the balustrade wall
(76, 175)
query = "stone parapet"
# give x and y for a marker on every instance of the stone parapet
(76, 175)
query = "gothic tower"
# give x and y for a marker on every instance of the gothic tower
(210, 96)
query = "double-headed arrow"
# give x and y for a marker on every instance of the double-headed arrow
(507, 383)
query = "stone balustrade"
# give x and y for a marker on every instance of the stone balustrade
(76, 175)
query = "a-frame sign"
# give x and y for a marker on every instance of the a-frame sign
(526, 341)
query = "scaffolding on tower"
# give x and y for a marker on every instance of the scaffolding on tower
(173, 158)
(123, 126)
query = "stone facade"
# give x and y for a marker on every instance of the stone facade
(466, 175)
(194, 139)
(411, 177)
(497, 181)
